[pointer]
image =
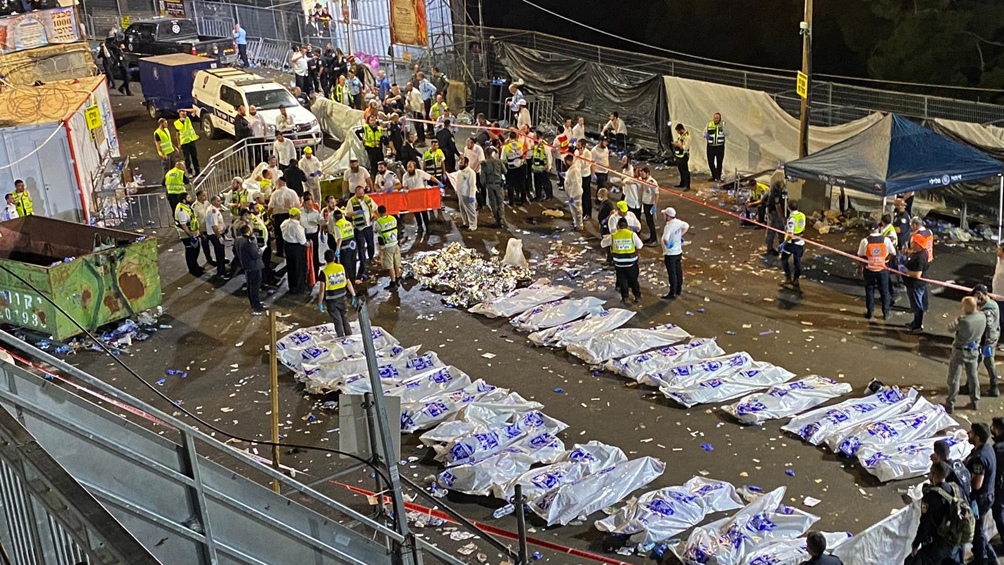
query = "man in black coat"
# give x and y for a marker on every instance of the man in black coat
(295, 177)
(929, 548)
(249, 255)
(449, 146)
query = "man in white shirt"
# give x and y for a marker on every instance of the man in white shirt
(616, 131)
(623, 212)
(515, 97)
(10, 210)
(279, 204)
(522, 116)
(258, 130)
(649, 201)
(601, 156)
(295, 239)
(215, 228)
(298, 62)
(475, 155)
(356, 175)
(311, 219)
(467, 191)
(273, 169)
(585, 157)
(573, 189)
(579, 129)
(283, 149)
(672, 249)
(200, 207)
(386, 180)
(284, 122)
(311, 167)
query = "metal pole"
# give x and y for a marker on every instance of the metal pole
(520, 524)
(409, 555)
(273, 367)
(803, 123)
(1000, 211)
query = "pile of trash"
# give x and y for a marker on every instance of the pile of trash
(465, 274)
(835, 221)
(117, 336)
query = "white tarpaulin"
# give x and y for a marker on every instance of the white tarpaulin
(557, 313)
(635, 366)
(336, 119)
(759, 134)
(519, 300)
(719, 389)
(922, 420)
(659, 515)
(429, 412)
(432, 383)
(888, 541)
(626, 341)
(786, 400)
(909, 460)
(320, 344)
(483, 441)
(482, 477)
(793, 551)
(581, 330)
(730, 541)
(815, 426)
(583, 460)
(598, 490)
(989, 137)
(335, 375)
(694, 371)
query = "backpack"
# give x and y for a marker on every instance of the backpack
(961, 477)
(958, 525)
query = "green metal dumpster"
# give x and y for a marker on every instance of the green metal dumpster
(96, 275)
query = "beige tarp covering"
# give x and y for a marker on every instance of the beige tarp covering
(987, 138)
(760, 135)
(335, 119)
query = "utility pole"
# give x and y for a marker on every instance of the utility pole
(805, 29)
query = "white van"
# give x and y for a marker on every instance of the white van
(218, 93)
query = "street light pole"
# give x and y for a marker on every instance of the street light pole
(805, 29)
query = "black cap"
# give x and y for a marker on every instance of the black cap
(980, 289)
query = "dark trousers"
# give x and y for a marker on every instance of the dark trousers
(997, 511)
(916, 291)
(419, 127)
(542, 185)
(649, 211)
(983, 552)
(220, 253)
(876, 280)
(336, 309)
(627, 279)
(277, 220)
(254, 285)
(683, 167)
(514, 181)
(347, 258)
(618, 142)
(422, 220)
(314, 240)
(364, 246)
(124, 87)
(674, 268)
(793, 252)
(296, 267)
(1000, 304)
(192, 256)
(204, 242)
(173, 199)
(601, 180)
(191, 154)
(268, 275)
(375, 155)
(932, 554)
(242, 54)
(559, 170)
(716, 158)
(587, 197)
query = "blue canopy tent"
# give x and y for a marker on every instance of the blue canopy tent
(895, 156)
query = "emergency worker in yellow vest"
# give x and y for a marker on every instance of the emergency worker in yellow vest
(174, 181)
(340, 93)
(390, 251)
(186, 140)
(162, 140)
(876, 249)
(793, 246)
(515, 177)
(540, 165)
(187, 224)
(344, 244)
(373, 139)
(624, 245)
(22, 200)
(334, 286)
(715, 136)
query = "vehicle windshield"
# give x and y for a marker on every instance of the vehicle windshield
(178, 28)
(271, 99)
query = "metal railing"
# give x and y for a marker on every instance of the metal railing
(238, 160)
(116, 209)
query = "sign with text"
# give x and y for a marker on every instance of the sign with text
(802, 84)
(38, 29)
(408, 23)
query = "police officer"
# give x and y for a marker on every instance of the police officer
(794, 246)
(174, 181)
(362, 211)
(775, 215)
(515, 181)
(988, 344)
(997, 431)
(165, 146)
(345, 242)
(624, 245)
(916, 287)
(492, 177)
(335, 283)
(929, 547)
(540, 165)
(373, 140)
(968, 328)
(434, 161)
(22, 200)
(982, 465)
(187, 224)
(876, 250)
(186, 140)
(715, 136)
(815, 546)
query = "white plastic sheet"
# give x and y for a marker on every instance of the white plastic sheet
(634, 366)
(888, 541)
(922, 420)
(583, 460)
(786, 400)
(581, 330)
(913, 459)
(316, 348)
(331, 375)
(482, 477)
(430, 384)
(659, 515)
(520, 300)
(719, 389)
(793, 551)
(598, 490)
(484, 441)
(695, 371)
(429, 412)
(815, 426)
(556, 313)
(626, 341)
(730, 541)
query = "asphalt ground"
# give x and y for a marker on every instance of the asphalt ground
(730, 291)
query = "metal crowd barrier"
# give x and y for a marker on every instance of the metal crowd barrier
(149, 209)
(238, 160)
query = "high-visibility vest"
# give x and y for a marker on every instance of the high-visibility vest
(876, 252)
(359, 218)
(22, 202)
(238, 200)
(925, 238)
(622, 247)
(335, 280)
(681, 152)
(513, 155)
(716, 134)
(437, 110)
(799, 218)
(345, 229)
(539, 158)
(186, 133)
(193, 222)
(386, 230)
(371, 136)
(265, 186)
(341, 94)
(433, 162)
(166, 145)
(174, 180)
(890, 232)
